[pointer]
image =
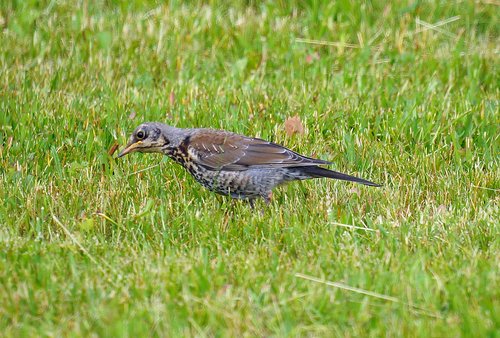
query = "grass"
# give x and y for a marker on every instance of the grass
(403, 93)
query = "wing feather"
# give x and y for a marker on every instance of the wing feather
(218, 150)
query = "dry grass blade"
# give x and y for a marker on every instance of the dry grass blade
(349, 288)
(86, 252)
(103, 215)
(490, 2)
(327, 43)
(367, 293)
(485, 188)
(435, 26)
(352, 226)
(145, 169)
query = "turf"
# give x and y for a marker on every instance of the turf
(403, 93)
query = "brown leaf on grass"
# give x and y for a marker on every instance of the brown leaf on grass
(132, 115)
(224, 290)
(293, 125)
(310, 58)
(113, 148)
(171, 98)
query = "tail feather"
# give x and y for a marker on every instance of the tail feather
(316, 172)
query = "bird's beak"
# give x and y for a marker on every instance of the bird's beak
(131, 147)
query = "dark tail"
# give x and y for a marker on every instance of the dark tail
(316, 172)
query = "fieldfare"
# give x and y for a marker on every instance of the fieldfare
(230, 164)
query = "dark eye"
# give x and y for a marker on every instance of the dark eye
(140, 134)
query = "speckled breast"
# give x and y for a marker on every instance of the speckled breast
(230, 183)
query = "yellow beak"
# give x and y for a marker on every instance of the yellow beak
(130, 148)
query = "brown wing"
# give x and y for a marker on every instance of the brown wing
(223, 150)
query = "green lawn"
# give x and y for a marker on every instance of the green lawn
(404, 93)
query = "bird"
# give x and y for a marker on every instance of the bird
(231, 164)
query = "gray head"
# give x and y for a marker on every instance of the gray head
(153, 137)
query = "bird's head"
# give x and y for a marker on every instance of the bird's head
(150, 137)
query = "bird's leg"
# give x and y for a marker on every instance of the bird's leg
(267, 198)
(252, 203)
